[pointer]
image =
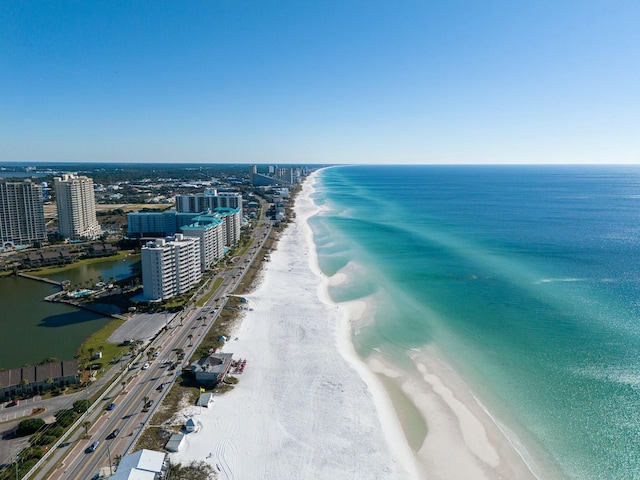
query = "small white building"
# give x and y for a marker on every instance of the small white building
(191, 426)
(175, 442)
(205, 400)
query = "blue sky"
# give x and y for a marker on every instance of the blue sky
(344, 81)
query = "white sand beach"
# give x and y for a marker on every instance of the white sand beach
(307, 407)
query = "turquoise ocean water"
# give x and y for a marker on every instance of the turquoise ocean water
(527, 278)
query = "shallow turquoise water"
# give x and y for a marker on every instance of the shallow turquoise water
(528, 278)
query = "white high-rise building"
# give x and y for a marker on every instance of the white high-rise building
(209, 200)
(212, 235)
(21, 213)
(76, 207)
(232, 218)
(170, 266)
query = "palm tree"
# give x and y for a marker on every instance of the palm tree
(124, 384)
(23, 383)
(86, 424)
(190, 337)
(91, 349)
(144, 401)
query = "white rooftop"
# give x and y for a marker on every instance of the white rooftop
(148, 460)
(133, 474)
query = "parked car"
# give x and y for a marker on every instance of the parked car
(160, 387)
(148, 404)
(92, 447)
(12, 403)
(111, 406)
(114, 434)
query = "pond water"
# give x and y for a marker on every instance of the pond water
(32, 329)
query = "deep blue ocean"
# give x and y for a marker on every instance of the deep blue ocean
(527, 277)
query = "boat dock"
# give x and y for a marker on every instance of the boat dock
(40, 279)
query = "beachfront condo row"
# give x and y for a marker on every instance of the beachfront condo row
(169, 264)
(210, 199)
(276, 175)
(166, 224)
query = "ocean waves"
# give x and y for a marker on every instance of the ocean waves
(525, 279)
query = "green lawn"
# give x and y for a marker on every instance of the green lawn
(98, 342)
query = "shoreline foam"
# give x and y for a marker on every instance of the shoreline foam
(481, 449)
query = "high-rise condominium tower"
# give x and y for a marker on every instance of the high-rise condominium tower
(76, 207)
(170, 266)
(21, 213)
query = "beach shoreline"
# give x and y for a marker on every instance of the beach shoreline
(299, 411)
(322, 410)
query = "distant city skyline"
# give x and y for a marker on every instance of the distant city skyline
(265, 82)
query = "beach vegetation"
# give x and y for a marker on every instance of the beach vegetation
(183, 393)
(153, 438)
(222, 327)
(230, 380)
(192, 471)
(223, 387)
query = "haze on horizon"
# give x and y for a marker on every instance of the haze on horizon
(230, 81)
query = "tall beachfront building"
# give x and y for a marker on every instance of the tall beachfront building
(211, 232)
(21, 213)
(232, 218)
(76, 207)
(168, 223)
(210, 199)
(170, 266)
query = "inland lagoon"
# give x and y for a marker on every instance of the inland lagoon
(33, 329)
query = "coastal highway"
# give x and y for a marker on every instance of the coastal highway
(127, 415)
(72, 460)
